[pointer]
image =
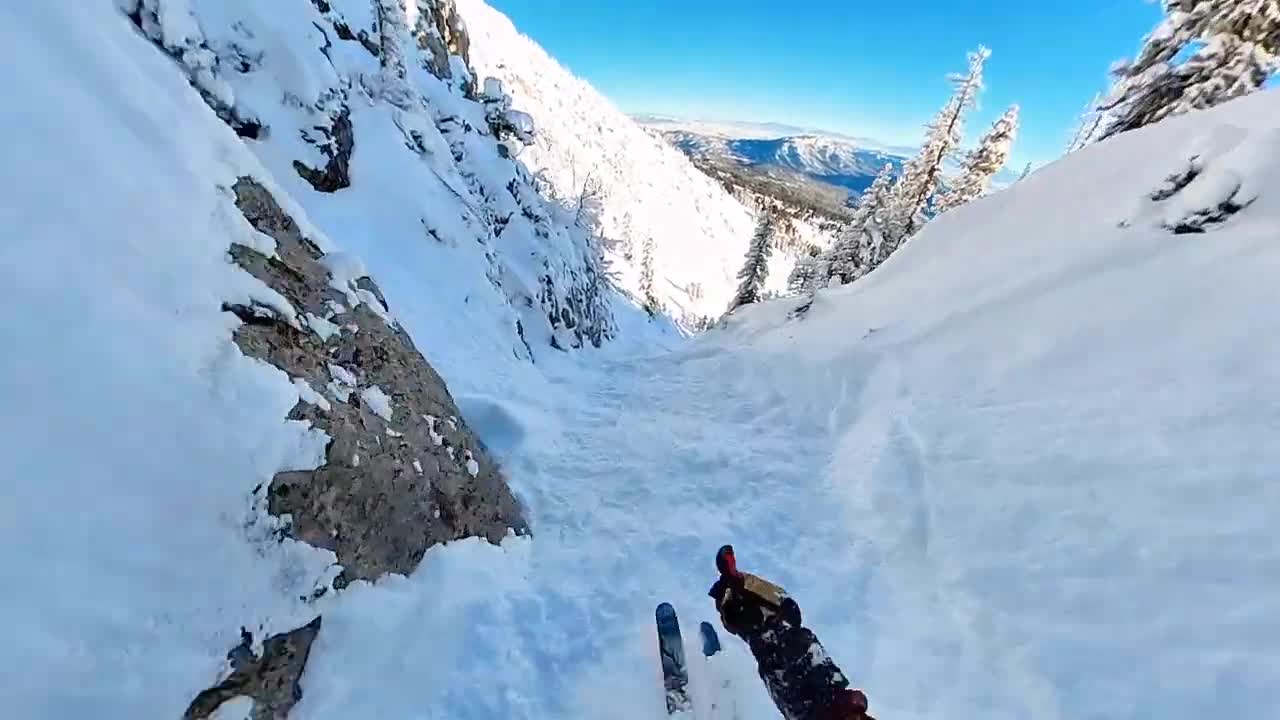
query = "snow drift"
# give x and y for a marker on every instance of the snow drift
(1048, 426)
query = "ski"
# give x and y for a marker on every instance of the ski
(710, 640)
(675, 673)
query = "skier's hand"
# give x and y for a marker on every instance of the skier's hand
(856, 700)
(790, 612)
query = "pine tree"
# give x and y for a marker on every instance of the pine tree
(755, 268)
(1239, 48)
(982, 163)
(646, 277)
(921, 175)
(810, 273)
(853, 253)
(1090, 121)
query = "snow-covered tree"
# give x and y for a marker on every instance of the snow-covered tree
(755, 268)
(1090, 121)
(809, 273)
(1204, 52)
(646, 277)
(922, 174)
(982, 163)
(854, 251)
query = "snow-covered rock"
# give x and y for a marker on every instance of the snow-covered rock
(179, 167)
(358, 503)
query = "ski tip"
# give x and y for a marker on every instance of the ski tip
(710, 640)
(664, 608)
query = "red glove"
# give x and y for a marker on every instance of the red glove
(849, 704)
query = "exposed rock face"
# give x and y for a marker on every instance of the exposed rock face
(441, 33)
(338, 144)
(271, 679)
(403, 472)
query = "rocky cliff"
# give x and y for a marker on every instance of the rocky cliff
(356, 129)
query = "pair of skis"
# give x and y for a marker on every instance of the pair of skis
(675, 671)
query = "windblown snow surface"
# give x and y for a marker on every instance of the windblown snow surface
(1025, 469)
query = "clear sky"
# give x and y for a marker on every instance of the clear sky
(876, 69)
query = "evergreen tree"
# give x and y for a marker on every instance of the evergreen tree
(922, 174)
(853, 254)
(1090, 121)
(1238, 48)
(982, 163)
(756, 266)
(810, 273)
(646, 277)
(847, 258)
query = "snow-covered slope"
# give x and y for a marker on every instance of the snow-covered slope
(649, 190)
(1047, 437)
(1024, 469)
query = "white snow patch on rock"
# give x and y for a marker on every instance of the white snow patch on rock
(308, 394)
(322, 327)
(377, 401)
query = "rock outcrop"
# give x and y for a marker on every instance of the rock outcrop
(270, 680)
(441, 33)
(403, 472)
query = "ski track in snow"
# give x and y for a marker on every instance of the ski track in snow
(663, 459)
(675, 487)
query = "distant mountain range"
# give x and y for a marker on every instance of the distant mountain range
(764, 131)
(795, 155)
(779, 151)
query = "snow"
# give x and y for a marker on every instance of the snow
(237, 708)
(436, 438)
(133, 431)
(321, 327)
(649, 189)
(344, 269)
(342, 384)
(1031, 481)
(306, 393)
(377, 401)
(342, 375)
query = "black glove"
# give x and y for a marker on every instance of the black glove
(790, 612)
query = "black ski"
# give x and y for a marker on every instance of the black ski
(675, 673)
(710, 640)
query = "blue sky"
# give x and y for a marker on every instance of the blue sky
(875, 69)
